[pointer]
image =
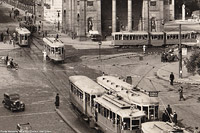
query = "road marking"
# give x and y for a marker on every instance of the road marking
(41, 113)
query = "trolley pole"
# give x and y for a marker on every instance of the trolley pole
(180, 53)
(148, 21)
(100, 49)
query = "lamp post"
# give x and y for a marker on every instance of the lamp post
(78, 18)
(100, 49)
(58, 19)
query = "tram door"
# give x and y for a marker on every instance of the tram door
(118, 124)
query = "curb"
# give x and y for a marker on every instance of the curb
(176, 81)
(66, 121)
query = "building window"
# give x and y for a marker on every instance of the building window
(153, 3)
(90, 3)
(64, 13)
(166, 2)
(78, 3)
(170, 2)
(64, 1)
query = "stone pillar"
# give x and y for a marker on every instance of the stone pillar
(114, 16)
(129, 15)
(183, 12)
(99, 16)
(70, 15)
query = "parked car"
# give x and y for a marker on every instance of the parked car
(96, 37)
(12, 102)
(24, 128)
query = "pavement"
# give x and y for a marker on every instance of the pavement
(64, 112)
(167, 68)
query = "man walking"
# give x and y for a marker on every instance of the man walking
(171, 77)
(57, 102)
(181, 94)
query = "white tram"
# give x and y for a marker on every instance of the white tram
(54, 49)
(22, 36)
(139, 38)
(161, 127)
(83, 90)
(139, 98)
(113, 115)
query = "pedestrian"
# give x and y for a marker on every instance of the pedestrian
(169, 112)
(164, 116)
(196, 130)
(7, 31)
(10, 14)
(175, 118)
(181, 94)
(6, 59)
(57, 102)
(57, 36)
(171, 77)
(144, 48)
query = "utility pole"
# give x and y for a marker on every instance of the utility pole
(148, 21)
(180, 53)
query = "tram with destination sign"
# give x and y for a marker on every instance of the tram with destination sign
(141, 99)
(161, 127)
(105, 111)
(140, 38)
(54, 49)
(22, 36)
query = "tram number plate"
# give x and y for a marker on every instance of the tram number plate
(153, 93)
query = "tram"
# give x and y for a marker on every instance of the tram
(54, 49)
(22, 36)
(113, 115)
(135, 96)
(83, 90)
(106, 111)
(161, 127)
(139, 38)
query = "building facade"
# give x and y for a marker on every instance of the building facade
(107, 16)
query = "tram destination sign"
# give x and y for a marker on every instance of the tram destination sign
(153, 93)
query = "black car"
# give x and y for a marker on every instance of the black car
(12, 102)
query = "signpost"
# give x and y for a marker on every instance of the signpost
(153, 93)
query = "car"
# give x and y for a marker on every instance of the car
(12, 102)
(24, 128)
(96, 37)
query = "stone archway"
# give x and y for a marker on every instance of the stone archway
(90, 23)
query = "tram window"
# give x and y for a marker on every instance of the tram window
(135, 124)
(26, 37)
(120, 37)
(87, 96)
(116, 37)
(139, 107)
(145, 37)
(105, 112)
(126, 123)
(99, 108)
(156, 111)
(56, 50)
(52, 50)
(92, 101)
(72, 88)
(111, 113)
(168, 37)
(124, 37)
(145, 109)
(81, 95)
(131, 37)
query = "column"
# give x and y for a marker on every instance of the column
(99, 16)
(183, 12)
(113, 15)
(129, 15)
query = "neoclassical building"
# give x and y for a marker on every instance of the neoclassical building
(107, 16)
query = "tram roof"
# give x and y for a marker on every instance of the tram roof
(52, 42)
(130, 33)
(23, 30)
(117, 106)
(86, 84)
(159, 126)
(156, 33)
(113, 83)
(124, 89)
(138, 97)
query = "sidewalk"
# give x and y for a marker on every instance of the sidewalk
(166, 69)
(7, 46)
(73, 120)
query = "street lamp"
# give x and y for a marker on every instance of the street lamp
(100, 49)
(58, 19)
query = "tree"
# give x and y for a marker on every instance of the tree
(193, 63)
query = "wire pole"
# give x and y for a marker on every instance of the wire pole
(148, 22)
(180, 53)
